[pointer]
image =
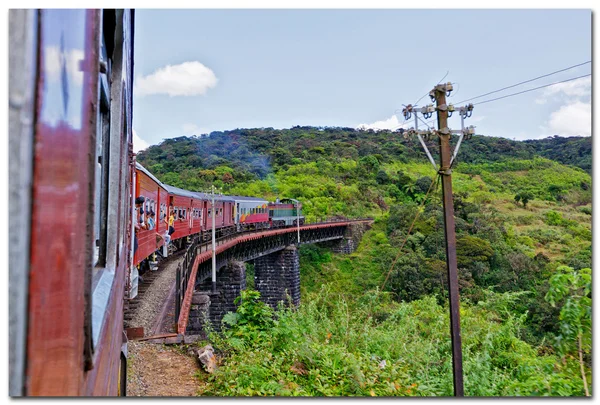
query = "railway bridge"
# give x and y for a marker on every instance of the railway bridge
(276, 269)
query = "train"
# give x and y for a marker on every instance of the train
(76, 240)
(190, 213)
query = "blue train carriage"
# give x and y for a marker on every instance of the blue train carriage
(285, 212)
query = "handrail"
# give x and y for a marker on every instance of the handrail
(182, 278)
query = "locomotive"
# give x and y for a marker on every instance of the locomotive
(73, 183)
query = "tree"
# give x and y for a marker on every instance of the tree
(524, 197)
(576, 313)
(423, 184)
(369, 163)
(403, 179)
(382, 177)
(470, 249)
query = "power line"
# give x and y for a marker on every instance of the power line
(409, 230)
(410, 122)
(417, 102)
(535, 88)
(526, 81)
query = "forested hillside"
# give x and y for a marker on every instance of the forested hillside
(250, 153)
(523, 223)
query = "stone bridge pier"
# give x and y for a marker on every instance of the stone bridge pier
(277, 277)
(352, 236)
(206, 305)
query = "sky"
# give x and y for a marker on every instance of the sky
(198, 71)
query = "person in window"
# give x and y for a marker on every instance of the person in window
(138, 222)
(151, 221)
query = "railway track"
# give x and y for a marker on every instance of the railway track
(131, 306)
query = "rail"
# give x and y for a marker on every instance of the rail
(184, 271)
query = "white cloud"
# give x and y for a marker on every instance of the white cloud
(574, 89)
(53, 61)
(193, 129)
(186, 79)
(390, 123)
(138, 143)
(571, 119)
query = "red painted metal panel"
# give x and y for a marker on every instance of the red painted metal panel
(182, 226)
(255, 218)
(60, 242)
(219, 222)
(148, 242)
(187, 300)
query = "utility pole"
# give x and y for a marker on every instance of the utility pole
(451, 264)
(438, 95)
(213, 194)
(298, 219)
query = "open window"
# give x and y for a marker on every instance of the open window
(101, 162)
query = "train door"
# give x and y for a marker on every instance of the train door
(191, 216)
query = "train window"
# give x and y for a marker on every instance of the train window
(109, 158)
(101, 164)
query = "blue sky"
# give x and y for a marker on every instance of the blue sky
(198, 71)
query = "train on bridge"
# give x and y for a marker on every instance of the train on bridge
(180, 214)
(73, 187)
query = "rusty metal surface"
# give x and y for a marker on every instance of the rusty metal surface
(134, 333)
(449, 228)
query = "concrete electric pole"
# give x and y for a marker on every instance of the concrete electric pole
(213, 194)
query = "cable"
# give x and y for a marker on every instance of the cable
(426, 124)
(526, 81)
(417, 102)
(410, 122)
(409, 229)
(536, 88)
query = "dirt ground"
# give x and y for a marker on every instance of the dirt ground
(156, 370)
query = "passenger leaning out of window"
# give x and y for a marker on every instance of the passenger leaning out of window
(138, 221)
(151, 223)
(171, 220)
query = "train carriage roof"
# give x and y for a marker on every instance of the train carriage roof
(147, 173)
(240, 198)
(181, 192)
(206, 196)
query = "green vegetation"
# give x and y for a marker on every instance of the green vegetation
(523, 224)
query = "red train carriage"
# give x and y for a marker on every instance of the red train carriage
(156, 201)
(224, 219)
(251, 213)
(70, 146)
(183, 204)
